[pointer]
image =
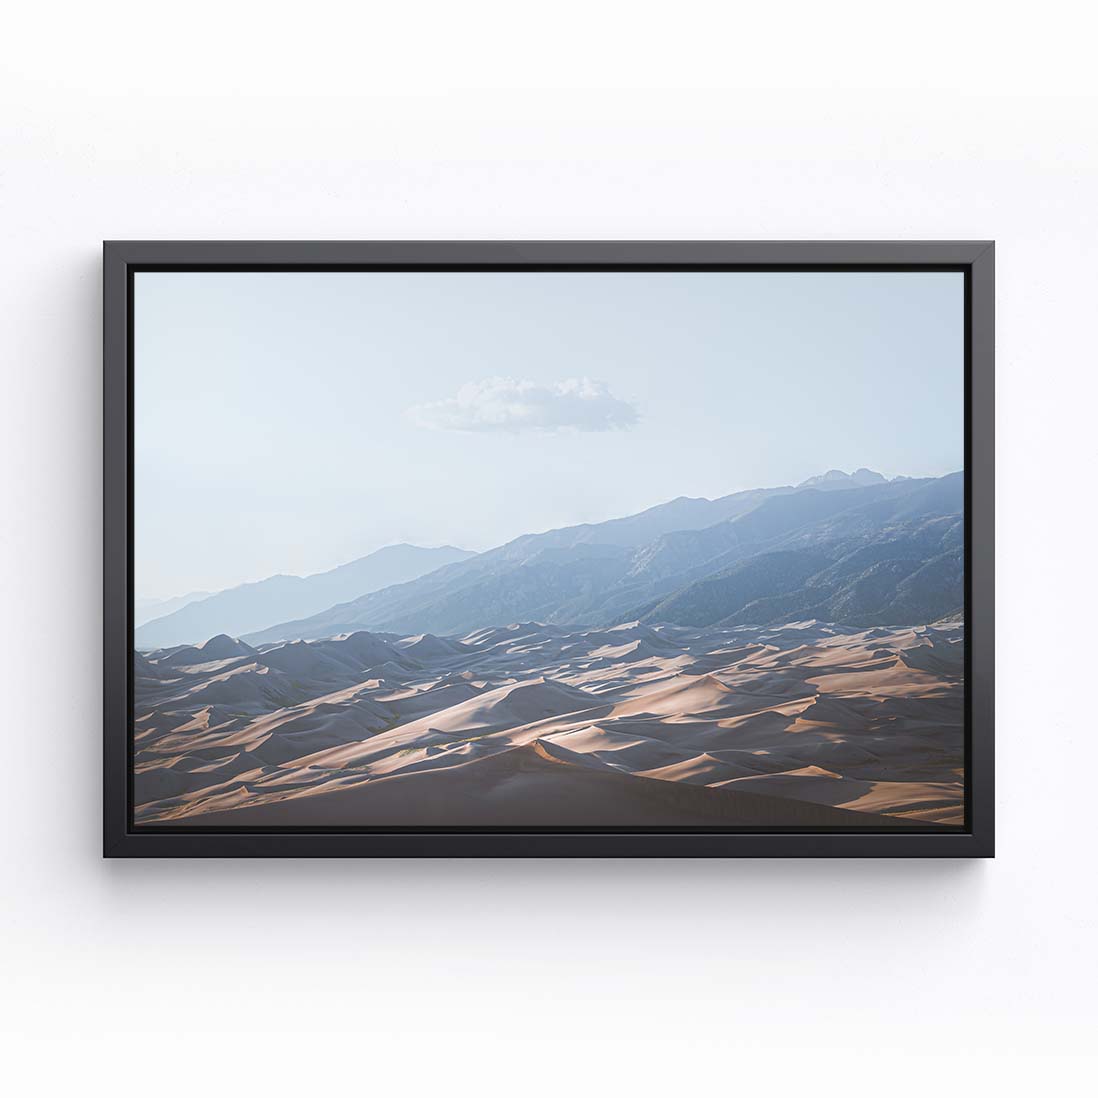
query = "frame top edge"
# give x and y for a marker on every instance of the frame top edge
(472, 253)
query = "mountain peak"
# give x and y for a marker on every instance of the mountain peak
(836, 478)
(867, 476)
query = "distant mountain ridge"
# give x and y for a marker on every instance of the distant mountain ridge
(147, 609)
(855, 547)
(254, 606)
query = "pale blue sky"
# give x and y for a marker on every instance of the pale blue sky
(290, 422)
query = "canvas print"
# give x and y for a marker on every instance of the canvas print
(549, 550)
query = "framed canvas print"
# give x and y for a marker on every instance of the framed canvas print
(498, 549)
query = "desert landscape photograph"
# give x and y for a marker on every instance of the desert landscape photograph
(549, 550)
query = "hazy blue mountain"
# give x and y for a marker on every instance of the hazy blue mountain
(836, 478)
(254, 606)
(645, 565)
(147, 609)
(857, 561)
(683, 513)
(469, 586)
(909, 573)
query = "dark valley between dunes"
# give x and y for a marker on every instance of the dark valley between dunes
(780, 657)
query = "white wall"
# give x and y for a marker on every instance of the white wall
(587, 120)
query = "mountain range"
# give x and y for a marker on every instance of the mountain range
(253, 606)
(856, 549)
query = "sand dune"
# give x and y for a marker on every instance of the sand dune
(430, 648)
(804, 724)
(528, 787)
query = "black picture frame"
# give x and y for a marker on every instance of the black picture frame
(121, 259)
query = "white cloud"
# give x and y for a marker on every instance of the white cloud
(509, 404)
